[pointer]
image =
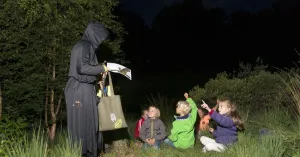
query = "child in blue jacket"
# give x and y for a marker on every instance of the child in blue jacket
(229, 122)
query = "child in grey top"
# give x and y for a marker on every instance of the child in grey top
(153, 129)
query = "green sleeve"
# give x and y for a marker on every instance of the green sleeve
(193, 109)
(174, 133)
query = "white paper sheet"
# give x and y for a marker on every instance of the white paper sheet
(117, 68)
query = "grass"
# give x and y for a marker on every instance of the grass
(280, 143)
(283, 122)
(250, 145)
(38, 146)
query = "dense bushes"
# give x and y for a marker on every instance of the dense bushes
(265, 100)
(252, 91)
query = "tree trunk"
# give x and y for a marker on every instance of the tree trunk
(54, 109)
(52, 131)
(47, 98)
(0, 103)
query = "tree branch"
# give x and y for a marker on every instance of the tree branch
(47, 97)
(53, 118)
(0, 103)
(58, 104)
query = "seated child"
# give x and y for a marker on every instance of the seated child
(153, 129)
(182, 133)
(144, 115)
(229, 122)
(204, 122)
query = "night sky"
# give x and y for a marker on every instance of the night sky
(147, 9)
(179, 50)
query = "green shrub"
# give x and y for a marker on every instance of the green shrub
(262, 89)
(11, 132)
(265, 100)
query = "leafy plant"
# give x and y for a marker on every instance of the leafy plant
(11, 132)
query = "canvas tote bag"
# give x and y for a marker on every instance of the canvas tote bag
(110, 112)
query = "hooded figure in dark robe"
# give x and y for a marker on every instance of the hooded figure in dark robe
(81, 99)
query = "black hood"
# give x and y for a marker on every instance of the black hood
(96, 33)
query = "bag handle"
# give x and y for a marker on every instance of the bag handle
(112, 92)
(110, 85)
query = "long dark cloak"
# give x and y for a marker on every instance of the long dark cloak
(80, 94)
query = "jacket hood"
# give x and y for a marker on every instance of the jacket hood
(95, 33)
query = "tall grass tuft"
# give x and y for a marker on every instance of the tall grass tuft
(268, 145)
(65, 148)
(166, 105)
(292, 92)
(37, 146)
(292, 88)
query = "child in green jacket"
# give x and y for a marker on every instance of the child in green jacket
(182, 133)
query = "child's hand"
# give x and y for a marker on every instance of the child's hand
(148, 141)
(205, 106)
(211, 130)
(105, 68)
(186, 95)
(152, 141)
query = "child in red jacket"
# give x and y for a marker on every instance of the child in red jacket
(204, 123)
(144, 116)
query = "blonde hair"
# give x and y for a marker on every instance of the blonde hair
(184, 107)
(157, 111)
(234, 114)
